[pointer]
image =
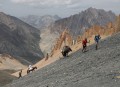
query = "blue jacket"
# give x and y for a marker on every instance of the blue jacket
(97, 38)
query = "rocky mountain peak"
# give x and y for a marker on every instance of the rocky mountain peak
(78, 23)
(40, 22)
(2, 13)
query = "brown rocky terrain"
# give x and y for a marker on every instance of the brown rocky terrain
(7, 62)
(67, 39)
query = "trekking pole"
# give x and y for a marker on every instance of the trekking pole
(89, 45)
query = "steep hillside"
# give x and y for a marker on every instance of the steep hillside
(95, 68)
(47, 41)
(7, 62)
(19, 39)
(8, 65)
(78, 23)
(5, 78)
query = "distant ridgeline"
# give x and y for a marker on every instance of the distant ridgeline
(77, 24)
(19, 39)
(106, 30)
(40, 22)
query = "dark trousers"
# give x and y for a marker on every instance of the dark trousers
(84, 48)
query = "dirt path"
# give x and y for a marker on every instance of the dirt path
(57, 56)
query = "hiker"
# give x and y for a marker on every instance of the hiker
(97, 38)
(47, 56)
(65, 51)
(84, 43)
(20, 74)
(30, 67)
(73, 42)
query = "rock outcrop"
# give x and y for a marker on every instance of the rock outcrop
(64, 39)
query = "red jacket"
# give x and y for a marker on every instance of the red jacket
(84, 42)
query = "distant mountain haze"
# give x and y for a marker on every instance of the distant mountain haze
(40, 22)
(19, 39)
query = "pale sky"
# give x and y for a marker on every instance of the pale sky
(63, 8)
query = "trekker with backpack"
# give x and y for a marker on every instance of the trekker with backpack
(20, 74)
(65, 51)
(47, 56)
(97, 38)
(84, 44)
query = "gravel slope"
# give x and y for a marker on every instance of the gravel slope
(5, 77)
(91, 69)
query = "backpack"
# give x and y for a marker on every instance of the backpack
(97, 38)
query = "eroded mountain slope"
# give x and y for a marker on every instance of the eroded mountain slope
(91, 69)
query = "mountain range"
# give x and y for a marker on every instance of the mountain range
(78, 23)
(22, 43)
(40, 22)
(19, 39)
(51, 27)
(22, 40)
